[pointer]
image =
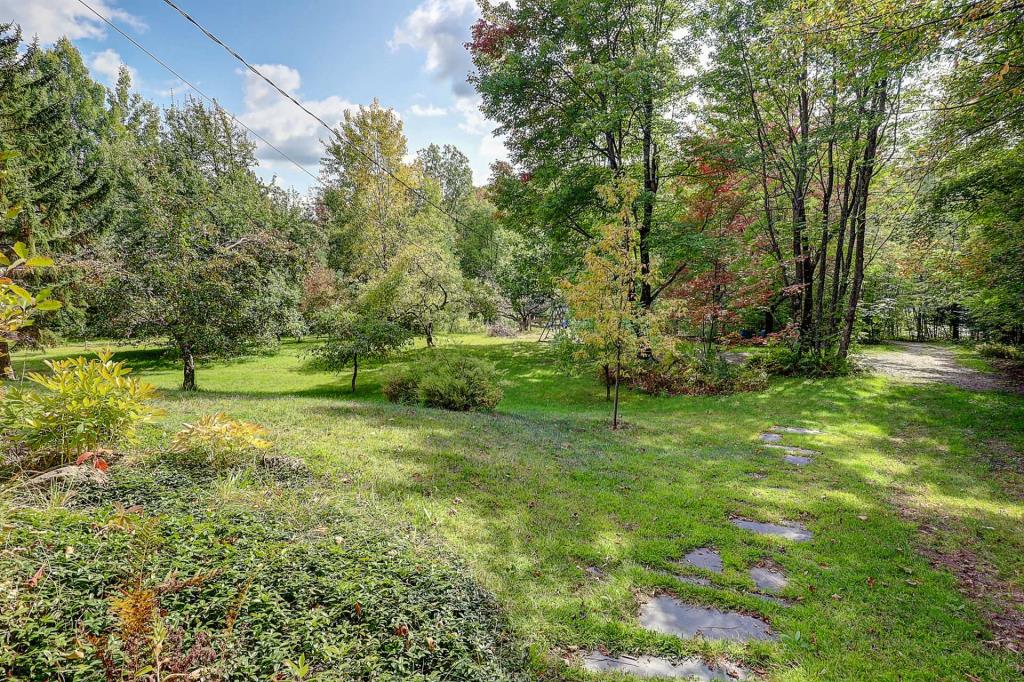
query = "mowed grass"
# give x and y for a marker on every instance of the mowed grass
(532, 495)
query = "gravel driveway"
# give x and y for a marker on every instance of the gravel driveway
(926, 363)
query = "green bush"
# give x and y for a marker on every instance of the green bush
(687, 373)
(402, 386)
(219, 441)
(85, 404)
(1005, 351)
(460, 384)
(457, 383)
(789, 360)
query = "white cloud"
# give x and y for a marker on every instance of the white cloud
(108, 65)
(428, 111)
(473, 120)
(441, 29)
(52, 19)
(281, 122)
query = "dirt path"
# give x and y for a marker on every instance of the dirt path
(925, 363)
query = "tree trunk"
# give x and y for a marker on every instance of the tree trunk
(866, 172)
(6, 368)
(801, 247)
(650, 153)
(618, 371)
(189, 381)
(430, 334)
(355, 370)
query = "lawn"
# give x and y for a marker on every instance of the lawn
(531, 496)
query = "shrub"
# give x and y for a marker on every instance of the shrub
(788, 360)
(86, 404)
(219, 441)
(456, 383)
(402, 386)
(688, 373)
(1006, 351)
(461, 384)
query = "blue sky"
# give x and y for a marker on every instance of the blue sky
(332, 54)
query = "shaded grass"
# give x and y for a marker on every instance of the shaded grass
(533, 494)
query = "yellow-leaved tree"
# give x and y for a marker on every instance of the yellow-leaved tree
(610, 323)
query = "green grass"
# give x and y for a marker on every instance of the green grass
(531, 495)
(972, 359)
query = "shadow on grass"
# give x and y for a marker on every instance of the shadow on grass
(542, 488)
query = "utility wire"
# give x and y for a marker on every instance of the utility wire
(200, 92)
(381, 166)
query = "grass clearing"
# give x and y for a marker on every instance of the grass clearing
(532, 495)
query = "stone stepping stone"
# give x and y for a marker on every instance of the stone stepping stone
(798, 430)
(670, 616)
(768, 579)
(692, 580)
(770, 597)
(705, 558)
(652, 666)
(798, 460)
(793, 450)
(770, 438)
(789, 531)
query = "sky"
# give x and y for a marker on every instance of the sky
(330, 54)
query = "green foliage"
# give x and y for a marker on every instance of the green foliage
(451, 382)
(228, 592)
(449, 168)
(1005, 351)
(84, 404)
(17, 304)
(790, 360)
(524, 277)
(687, 372)
(202, 260)
(219, 441)
(402, 385)
(362, 334)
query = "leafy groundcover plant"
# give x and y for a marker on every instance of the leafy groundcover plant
(153, 578)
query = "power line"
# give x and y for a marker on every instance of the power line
(200, 92)
(381, 166)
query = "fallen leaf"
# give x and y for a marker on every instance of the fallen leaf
(36, 577)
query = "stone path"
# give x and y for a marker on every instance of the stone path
(652, 666)
(789, 531)
(922, 363)
(669, 615)
(801, 457)
(768, 579)
(705, 558)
